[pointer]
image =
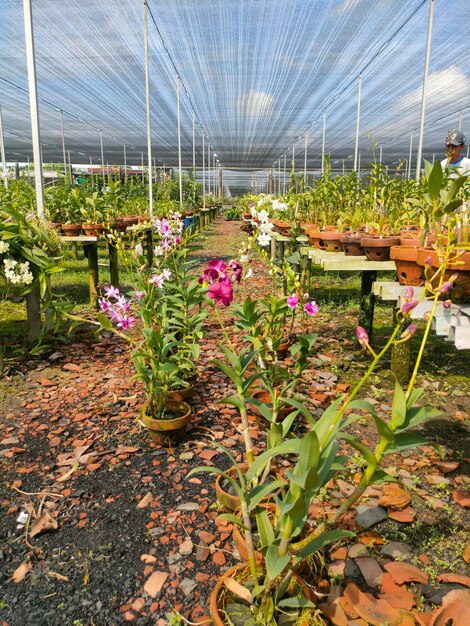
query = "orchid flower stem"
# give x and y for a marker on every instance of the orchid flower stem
(229, 343)
(360, 384)
(425, 337)
(76, 318)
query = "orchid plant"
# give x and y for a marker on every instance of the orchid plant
(161, 317)
(288, 538)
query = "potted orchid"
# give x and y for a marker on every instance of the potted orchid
(161, 318)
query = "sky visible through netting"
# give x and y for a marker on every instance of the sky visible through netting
(258, 75)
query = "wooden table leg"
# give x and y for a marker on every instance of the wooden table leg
(149, 246)
(33, 313)
(366, 314)
(92, 256)
(113, 264)
(305, 267)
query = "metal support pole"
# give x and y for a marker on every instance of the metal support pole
(209, 165)
(63, 143)
(33, 105)
(423, 96)
(142, 164)
(460, 120)
(305, 160)
(380, 155)
(180, 176)
(147, 103)
(203, 173)
(284, 180)
(323, 142)
(194, 145)
(410, 155)
(102, 153)
(358, 119)
(2, 151)
(221, 184)
(125, 163)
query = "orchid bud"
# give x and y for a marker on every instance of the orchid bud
(426, 316)
(409, 331)
(409, 306)
(447, 304)
(445, 287)
(362, 337)
(427, 261)
(454, 277)
(409, 293)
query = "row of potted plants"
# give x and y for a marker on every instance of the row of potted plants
(268, 496)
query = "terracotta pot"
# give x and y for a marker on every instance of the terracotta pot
(331, 241)
(282, 227)
(185, 393)
(129, 220)
(241, 572)
(378, 248)
(116, 225)
(56, 226)
(93, 230)
(72, 230)
(168, 431)
(315, 239)
(351, 244)
(460, 293)
(408, 271)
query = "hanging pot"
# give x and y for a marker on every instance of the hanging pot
(171, 430)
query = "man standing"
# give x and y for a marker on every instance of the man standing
(455, 163)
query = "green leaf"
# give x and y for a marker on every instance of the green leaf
(275, 564)
(104, 321)
(234, 401)
(384, 430)
(360, 447)
(406, 441)
(265, 528)
(258, 493)
(233, 519)
(379, 477)
(398, 406)
(364, 405)
(320, 542)
(296, 603)
(228, 371)
(435, 181)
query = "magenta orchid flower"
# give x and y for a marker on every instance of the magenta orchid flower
(311, 308)
(126, 322)
(293, 301)
(409, 331)
(221, 291)
(362, 337)
(139, 294)
(409, 306)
